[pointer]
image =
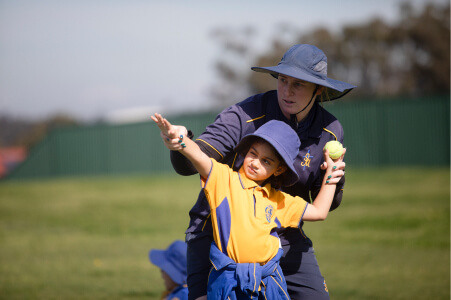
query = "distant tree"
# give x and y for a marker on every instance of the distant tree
(28, 134)
(235, 47)
(410, 57)
(11, 128)
(425, 39)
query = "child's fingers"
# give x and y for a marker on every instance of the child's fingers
(163, 124)
(334, 180)
(159, 124)
(327, 160)
(344, 152)
(342, 156)
(156, 118)
(340, 165)
(335, 176)
(172, 135)
(170, 143)
(168, 128)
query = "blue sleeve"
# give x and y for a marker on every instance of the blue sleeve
(232, 124)
(225, 132)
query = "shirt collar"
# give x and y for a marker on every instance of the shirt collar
(316, 125)
(247, 183)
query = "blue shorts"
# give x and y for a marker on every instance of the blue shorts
(299, 265)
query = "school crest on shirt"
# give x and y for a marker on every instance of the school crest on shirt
(269, 210)
(307, 159)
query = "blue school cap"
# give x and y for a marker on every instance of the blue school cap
(308, 63)
(172, 261)
(284, 140)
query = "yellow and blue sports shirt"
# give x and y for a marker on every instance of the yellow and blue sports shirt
(245, 215)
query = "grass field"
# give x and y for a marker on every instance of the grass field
(88, 238)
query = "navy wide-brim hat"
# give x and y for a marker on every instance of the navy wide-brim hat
(284, 140)
(172, 261)
(308, 63)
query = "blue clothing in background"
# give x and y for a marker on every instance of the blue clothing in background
(180, 293)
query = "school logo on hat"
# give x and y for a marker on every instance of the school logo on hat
(268, 212)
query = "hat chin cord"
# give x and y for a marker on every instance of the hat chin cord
(293, 117)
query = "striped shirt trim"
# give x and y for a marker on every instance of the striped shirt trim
(302, 216)
(203, 227)
(280, 287)
(233, 163)
(264, 292)
(211, 147)
(248, 121)
(331, 133)
(255, 284)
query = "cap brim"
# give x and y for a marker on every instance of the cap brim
(291, 175)
(336, 89)
(158, 258)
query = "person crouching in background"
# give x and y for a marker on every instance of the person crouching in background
(172, 263)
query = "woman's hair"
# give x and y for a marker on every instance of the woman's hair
(276, 181)
(324, 96)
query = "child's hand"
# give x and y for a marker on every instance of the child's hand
(334, 168)
(171, 134)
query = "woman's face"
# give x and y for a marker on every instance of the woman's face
(294, 94)
(261, 162)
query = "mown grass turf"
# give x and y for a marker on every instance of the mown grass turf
(88, 238)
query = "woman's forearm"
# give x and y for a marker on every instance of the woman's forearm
(181, 164)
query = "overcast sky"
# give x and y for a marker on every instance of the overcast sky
(99, 58)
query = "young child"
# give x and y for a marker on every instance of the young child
(172, 264)
(246, 209)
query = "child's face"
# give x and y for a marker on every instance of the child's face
(261, 162)
(168, 282)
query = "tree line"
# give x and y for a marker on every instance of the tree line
(409, 58)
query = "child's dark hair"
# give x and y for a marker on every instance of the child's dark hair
(276, 181)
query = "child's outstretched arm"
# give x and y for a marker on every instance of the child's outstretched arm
(318, 210)
(187, 147)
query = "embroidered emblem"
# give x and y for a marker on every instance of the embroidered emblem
(325, 286)
(307, 160)
(268, 212)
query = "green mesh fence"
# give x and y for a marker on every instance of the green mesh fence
(379, 133)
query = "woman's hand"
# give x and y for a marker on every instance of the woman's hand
(172, 135)
(334, 168)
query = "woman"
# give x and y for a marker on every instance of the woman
(301, 83)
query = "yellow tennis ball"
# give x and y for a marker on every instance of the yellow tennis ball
(335, 149)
